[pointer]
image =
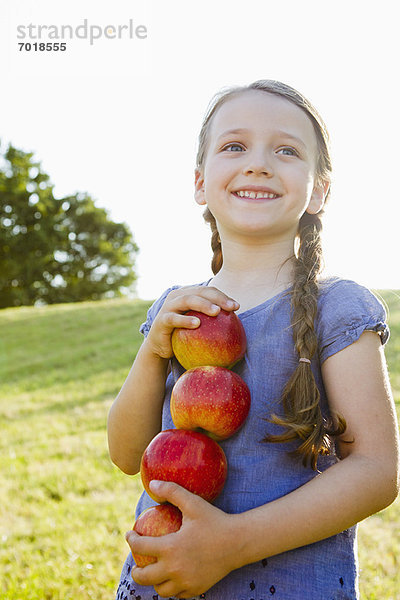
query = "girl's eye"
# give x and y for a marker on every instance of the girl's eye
(233, 147)
(288, 151)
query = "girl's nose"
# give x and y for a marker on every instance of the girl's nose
(259, 165)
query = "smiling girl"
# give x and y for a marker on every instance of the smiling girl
(319, 450)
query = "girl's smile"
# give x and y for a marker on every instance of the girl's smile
(256, 192)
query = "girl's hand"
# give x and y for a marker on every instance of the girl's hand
(208, 300)
(194, 558)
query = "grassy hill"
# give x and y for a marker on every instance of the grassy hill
(64, 506)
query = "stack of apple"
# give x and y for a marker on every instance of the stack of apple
(209, 403)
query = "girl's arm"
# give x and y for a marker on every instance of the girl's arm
(135, 416)
(365, 481)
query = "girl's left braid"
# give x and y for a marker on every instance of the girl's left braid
(302, 418)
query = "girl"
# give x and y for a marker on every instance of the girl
(319, 450)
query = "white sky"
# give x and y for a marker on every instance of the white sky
(120, 118)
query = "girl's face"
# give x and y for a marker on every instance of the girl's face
(258, 176)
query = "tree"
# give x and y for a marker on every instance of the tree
(56, 250)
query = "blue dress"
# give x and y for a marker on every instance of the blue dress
(261, 472)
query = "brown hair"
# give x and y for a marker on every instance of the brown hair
(303, 419)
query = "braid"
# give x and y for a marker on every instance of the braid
(216, 247)
(300, 398)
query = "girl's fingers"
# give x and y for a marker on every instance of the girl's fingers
(194, 302)
(144, 545)
(187, 502)
(169, 588)
(216, 296)
(183, 594)
(172, 315)
(209, 302)
(154, 575)
(150, 575)
(172, 320)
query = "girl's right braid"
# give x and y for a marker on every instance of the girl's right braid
(216, 247)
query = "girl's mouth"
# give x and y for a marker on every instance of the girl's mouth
(252, 195)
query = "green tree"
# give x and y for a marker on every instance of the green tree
(56, 250)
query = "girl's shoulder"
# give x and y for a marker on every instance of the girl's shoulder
(346, 309)
(338, 295)
(336, 284)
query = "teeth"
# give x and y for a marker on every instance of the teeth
(246, 194)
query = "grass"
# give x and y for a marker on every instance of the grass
(64, 506)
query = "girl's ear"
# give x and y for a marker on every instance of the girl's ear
(318, 196)
(199, 190)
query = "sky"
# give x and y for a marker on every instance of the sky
(118, 117)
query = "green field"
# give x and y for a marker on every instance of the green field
(64, 507)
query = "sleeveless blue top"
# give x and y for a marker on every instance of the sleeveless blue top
(260, 472)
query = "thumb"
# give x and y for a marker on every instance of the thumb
(168, 491)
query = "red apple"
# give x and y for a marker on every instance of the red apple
(218, 341)
(212, 399)
(155, 521)
(188, 458)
